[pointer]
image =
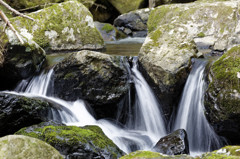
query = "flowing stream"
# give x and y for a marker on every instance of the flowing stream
(190, 116)
(145, 124)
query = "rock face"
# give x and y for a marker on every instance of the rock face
(19, 146)
(124, 6)
(133, 23)
(223, 95)
(175, 143)
(93, 76)
(75, 29)
(166, 53)
(18, 61)
(17, 112)
(75, 142)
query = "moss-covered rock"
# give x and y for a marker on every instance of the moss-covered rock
(167, 51)
(75, 142)
(96, 77)
(18, 61)
(39, 4)
(155, 3)
(223, 95)
(108, 31)
(19, 146)
(153, 155)
(124, 6)
(75, 29)
(228, 152)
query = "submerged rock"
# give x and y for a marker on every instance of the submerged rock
(133, 23)
(175, 143)
(95, 77)
(165, 56)
(75, 142)
(75, 29)
(19, 146)
(18, 111)
(222, 99)
(18, 61)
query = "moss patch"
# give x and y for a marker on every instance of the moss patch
(108, 28)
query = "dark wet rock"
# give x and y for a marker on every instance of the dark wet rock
(18, 61)
(175, 143)
(75, 142)
(133, 23)
(223, 95)
(95, 77)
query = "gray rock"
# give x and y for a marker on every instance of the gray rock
(175, 143)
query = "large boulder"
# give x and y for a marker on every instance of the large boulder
(18, 61)
(155, 3)
(222, 100)
(75, 29)
(95, 77)
(18, 111)
(19, 146)
(228, 152)
(30, 5)
(133, 23)
(124, 6)
(75, 142)
(175, 31)
(175, 143)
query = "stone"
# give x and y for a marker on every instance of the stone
(19, 146)
(75, 142)
(124, 6)
(175, 143)
(95, 77)
(108, 31)
(75, 29)
(18, 111)
(18, 61)
(228, 152)
(165, 57)
(223, 95)
(135, 21)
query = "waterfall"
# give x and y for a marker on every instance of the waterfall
(144, 131)
(190, 116)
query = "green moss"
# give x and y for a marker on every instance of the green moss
(86, 138)
(124, 6)
(142, 154)
(108, 28)
(69, 75)
(201, 35)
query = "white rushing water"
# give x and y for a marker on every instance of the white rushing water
(146, 129)
(190, 116)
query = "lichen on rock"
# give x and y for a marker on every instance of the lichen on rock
(73, 31)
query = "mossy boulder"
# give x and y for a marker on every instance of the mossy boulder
(18, 111)
(19, 146)
(75, 29)
(108, 31)
(18, 61)
(95, 77)
(155, 3)
(124, 6)
(30, 5)
(75, 142)
(135, 21)
(223, 95)
(165, 57)
(153, 155)
(228, 152)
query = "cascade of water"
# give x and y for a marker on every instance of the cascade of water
(38, 85)
(190, 116)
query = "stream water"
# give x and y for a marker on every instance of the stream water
(145, 124)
